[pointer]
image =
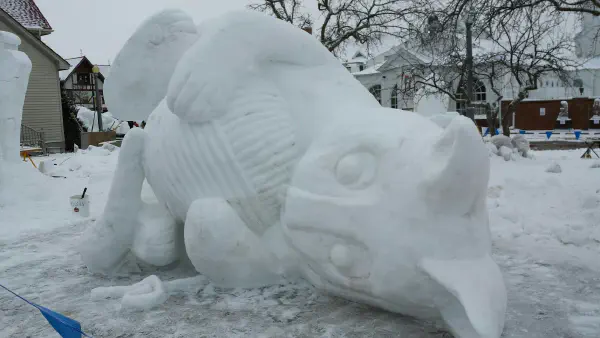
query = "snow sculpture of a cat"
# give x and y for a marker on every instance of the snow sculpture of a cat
(15, 67)
(269, 160)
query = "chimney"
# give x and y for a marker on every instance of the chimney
(308, 29)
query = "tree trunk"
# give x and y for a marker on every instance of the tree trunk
(506, 119)
(512, 108)
(491, 119)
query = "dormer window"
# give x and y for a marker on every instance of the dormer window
(83, 79)
(361, 67)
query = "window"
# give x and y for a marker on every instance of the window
(376, 91)
(408, 85)
(461, 105)
(361, 67)
(349, 69)
(394, 97)
(479, 95)
(479, 92)
(83, 79)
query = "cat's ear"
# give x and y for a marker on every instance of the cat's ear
(472, 296)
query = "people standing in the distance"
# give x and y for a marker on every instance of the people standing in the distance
(135, 124)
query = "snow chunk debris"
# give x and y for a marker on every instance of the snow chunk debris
(554, 168)
(148, 293)
(502, 141)
(521, 144)
(506, 152)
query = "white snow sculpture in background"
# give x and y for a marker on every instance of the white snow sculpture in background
(15, 67)
(563, 110)
(270, 161)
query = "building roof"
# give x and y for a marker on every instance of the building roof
(593, 63)
(370, 70)
(74, 62)
(353, 52)
(27, 13)
(32, 38)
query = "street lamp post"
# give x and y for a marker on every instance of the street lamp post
(469, 63)
(96, 72)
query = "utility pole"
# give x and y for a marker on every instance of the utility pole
(469, 63)
(99, 109)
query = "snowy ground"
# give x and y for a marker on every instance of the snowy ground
(546, 231)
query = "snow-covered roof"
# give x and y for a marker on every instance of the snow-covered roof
(352, 52)
(359, 57)
(27, 13)
(370, 70)
(593, 63)
(64, 74)
(74, 62)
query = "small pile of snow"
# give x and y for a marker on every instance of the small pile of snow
(97, 151)
(521, 144)
(554, 168)
(80, 163)
(505, 152)
(89, 119)
(148, 293)
(502, 141)
(595, 165)
(508, 148)
(493, 150)
(109, 146)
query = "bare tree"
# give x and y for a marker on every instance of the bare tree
(531, 44)
(343, 21)
(287, 10)
(574, 6)
(521, 48)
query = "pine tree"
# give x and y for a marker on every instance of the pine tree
(72, 126)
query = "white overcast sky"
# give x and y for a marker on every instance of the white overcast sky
(100, 27)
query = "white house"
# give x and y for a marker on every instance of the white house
(388, 74)
(80, 83)
(389, 77)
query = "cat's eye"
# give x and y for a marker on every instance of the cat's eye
(356, 170)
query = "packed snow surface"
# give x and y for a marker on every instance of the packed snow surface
(544, 230)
